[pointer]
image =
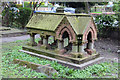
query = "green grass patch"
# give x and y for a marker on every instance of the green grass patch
(96, 12)
(11, 70)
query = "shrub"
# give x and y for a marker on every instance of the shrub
(18, 5)
(42, 3)
(24, 16)
(79, 10)
(104, 23)
(9, 15)
(26, 4)
(116, 7)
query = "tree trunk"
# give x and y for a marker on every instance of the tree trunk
(87, 7)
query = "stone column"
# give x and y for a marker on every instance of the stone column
(91, 45)
(74, 47)
(32, 39)
(41, 41)
(45, 41)
(60, 45)
(41, 38)
(81, 48)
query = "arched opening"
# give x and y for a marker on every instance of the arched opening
(89, 45)
(52, 43)
(89, 39)
(66, 42)
(65, 38)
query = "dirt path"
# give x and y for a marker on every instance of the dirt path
(107, 48)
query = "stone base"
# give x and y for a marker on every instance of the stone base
(65, 63)
(77, 55)
(30, 44)
(53, 54)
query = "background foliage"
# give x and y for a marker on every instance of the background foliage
(116, 7)
(24, 16)
(106, 22)
(17, 18)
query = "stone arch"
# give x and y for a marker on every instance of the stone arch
(61, 29)
(91, 28)
(89, 39)
(91, 32)
(66, 30)
(85, 35)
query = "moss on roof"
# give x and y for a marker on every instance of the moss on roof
(79, 23)
(50, 21)
(45, 21)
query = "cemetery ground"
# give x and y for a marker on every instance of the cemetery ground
(108, 68)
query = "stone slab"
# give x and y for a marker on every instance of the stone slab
(70, 65)
(46, 69)
(11, 32)
(53, 54)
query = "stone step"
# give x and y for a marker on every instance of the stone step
(70, 65)
(11, 32)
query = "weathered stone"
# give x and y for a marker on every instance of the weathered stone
(89, 51)
(60, 45)
(11, 32)
(46, 69)
(90, 60)
(77, 55)
(45, 41)
(40, 43)
(81, 48)
(90, 45)
(75, 48)
(62, 51)
(26, 63)
(73, 29)
(32, 39)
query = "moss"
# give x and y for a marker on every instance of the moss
(49, 22)
(51, 53)
(77, 55)
(26, 63)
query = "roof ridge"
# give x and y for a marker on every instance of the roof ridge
(87, 15)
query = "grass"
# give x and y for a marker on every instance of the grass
(11, 70)
(96, 12)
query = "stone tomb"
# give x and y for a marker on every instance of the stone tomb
(73, 36)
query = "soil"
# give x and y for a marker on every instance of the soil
(107, 48)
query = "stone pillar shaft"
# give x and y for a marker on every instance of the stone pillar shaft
(32, 39)
(60, 45)
(90, 45)
(45, 41)
(81, 48)
(41, 38)
(74, 48)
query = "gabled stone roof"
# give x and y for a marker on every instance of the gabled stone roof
(79, 23)
(44, 22)
(50, 21)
